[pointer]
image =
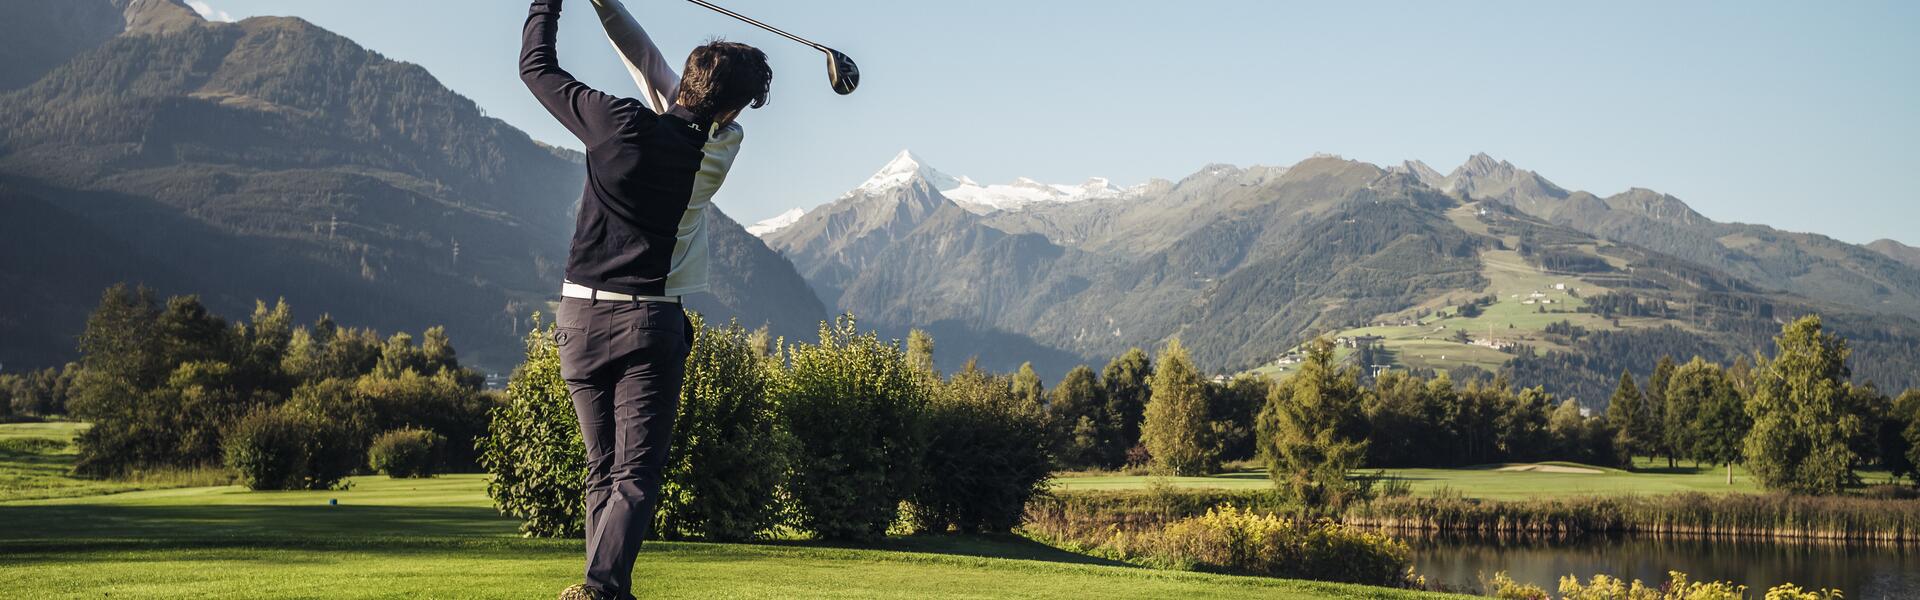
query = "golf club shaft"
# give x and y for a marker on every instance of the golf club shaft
(749, 20)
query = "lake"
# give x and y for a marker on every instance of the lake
(1861, 571)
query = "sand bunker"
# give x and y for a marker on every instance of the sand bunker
(1550, 469)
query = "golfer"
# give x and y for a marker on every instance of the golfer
(639, 245)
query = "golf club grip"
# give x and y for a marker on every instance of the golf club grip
(750, 21)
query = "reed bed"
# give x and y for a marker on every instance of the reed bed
(1685, 514)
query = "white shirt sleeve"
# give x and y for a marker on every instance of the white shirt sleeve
(658, 81)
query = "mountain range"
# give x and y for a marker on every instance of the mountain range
(271, 158)
(1245, 264)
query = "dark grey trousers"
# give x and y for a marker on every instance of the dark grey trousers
(624, 363)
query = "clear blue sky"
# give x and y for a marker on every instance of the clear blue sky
(1801, 115)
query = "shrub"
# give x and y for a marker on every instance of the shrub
(854, 406)
(1505, 588)
(986, 456)
(1678, 587)
(533, 448)
(442, 402)
(406, 453)
(729, 455)
(727, 460)
(286, 449)
(1229, 540)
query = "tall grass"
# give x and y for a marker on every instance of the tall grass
(1090, 517)
(1229, 531)
(1686, 514)
(177, 477)
(1082, 520)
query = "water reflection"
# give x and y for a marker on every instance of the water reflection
(1861, 571)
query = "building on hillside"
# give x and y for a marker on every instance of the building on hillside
(1360, 342)
(1494, 343)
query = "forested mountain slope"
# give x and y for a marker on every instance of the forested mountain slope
(272, 158)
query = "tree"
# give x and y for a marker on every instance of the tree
(1656, 403)
(1521, 426)
(1029, 389)
(1682, 408)
(1404, 420)
(1874, 410)
(1904, 425)
(1234, 407)
(920, 353)
(1579, 437)
(1627, 413)
(1077, 412)
(1708, 409)
(1126, 380)
(1800, 430)
(1312, 433)
(1177, 427)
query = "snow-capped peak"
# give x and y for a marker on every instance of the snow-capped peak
(763, 228)
(902, 168)
(983, 199)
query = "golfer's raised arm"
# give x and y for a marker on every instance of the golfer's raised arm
(586, 112)
(657, 80)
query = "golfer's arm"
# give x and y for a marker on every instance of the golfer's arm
(649, 67)
(586, 112)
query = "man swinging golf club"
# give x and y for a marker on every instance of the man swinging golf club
(639, 245)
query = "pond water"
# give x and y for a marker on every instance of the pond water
(1861, 571)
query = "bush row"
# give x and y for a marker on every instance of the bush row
(830, 439)
(175, 388)
(1678, 587)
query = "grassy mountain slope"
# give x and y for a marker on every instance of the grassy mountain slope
(1809, 265)
(1897, 251)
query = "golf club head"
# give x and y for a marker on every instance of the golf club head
(842, 72)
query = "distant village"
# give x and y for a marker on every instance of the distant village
(1539, 298)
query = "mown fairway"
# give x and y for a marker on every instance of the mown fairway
(1493, 482)
(440, 538)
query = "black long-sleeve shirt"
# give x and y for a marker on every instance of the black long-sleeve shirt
(650, 177)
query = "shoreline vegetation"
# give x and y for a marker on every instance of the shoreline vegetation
(1071, 515)
(1687, 514)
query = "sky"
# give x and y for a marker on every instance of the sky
(1800, 115)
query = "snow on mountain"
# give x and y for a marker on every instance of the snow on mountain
(776, 223)
(901, 170)
(984, 199)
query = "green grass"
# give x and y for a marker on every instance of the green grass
(1231, 481)
(440, 538)
(1491, 483)
(1512, 282)
(35, 459)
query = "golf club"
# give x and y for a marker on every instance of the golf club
(840, 68)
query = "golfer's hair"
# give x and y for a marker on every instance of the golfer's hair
(723, 76)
